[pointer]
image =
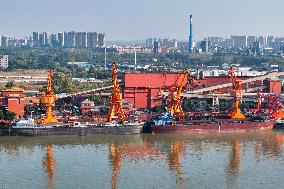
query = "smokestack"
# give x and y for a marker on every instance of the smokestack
(190, 48)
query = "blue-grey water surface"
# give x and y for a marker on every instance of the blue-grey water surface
(219, 160)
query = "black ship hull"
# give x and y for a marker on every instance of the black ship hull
(77, 131)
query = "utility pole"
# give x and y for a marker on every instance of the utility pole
(105, 59)
(135, 60)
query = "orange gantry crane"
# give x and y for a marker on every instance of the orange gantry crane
(115, 110)
(274, 105)
(174, 97)
(237, 93)
(48, 100)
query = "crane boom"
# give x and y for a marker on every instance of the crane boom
(174, 107)
(116, 98)
(183, 83)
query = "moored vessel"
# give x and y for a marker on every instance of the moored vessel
(74, 129)
(279, 124)
(235, 120)
(222, 125)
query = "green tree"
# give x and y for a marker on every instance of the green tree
(62, 83)
(188, 105)
(10, 84)
(159, 109)
(10, 116)
(1, 115)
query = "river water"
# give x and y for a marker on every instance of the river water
(219, 160)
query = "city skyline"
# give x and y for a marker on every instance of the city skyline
(135, 20)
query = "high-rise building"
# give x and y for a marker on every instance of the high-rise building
(270, 41)
(255, 48)
(240, 41)
(46, 42)
(4, 41)
(228, 43)
(4, 61)
(215, 41)
(43, 39)
(262, 41)
(12, 42)
(92, 39)
(101, 39)
(69, 39)
(60, 37)
(251, 40)
(149, 42)
(35, 39)
(81, 40)
(165, 43)
(65, 36)
(53, 40)
(156, 47)
(278, 41)
(175, 43)
(204, 45)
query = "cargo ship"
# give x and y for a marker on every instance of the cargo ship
(29, 128)
(216, 125)
(233, 121)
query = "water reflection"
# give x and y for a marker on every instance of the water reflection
(49, 166)
(175, 153)
(234, 163)
(182, 158)
(115, 157)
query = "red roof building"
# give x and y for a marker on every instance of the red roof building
(143, 90)
(13, 100)
(274, 86)
(87, 107)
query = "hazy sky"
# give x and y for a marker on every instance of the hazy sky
(138, 19)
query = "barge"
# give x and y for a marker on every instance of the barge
(218, 125)
(29, 128)
(78, 131)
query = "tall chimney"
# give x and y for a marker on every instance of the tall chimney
(190, 48)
